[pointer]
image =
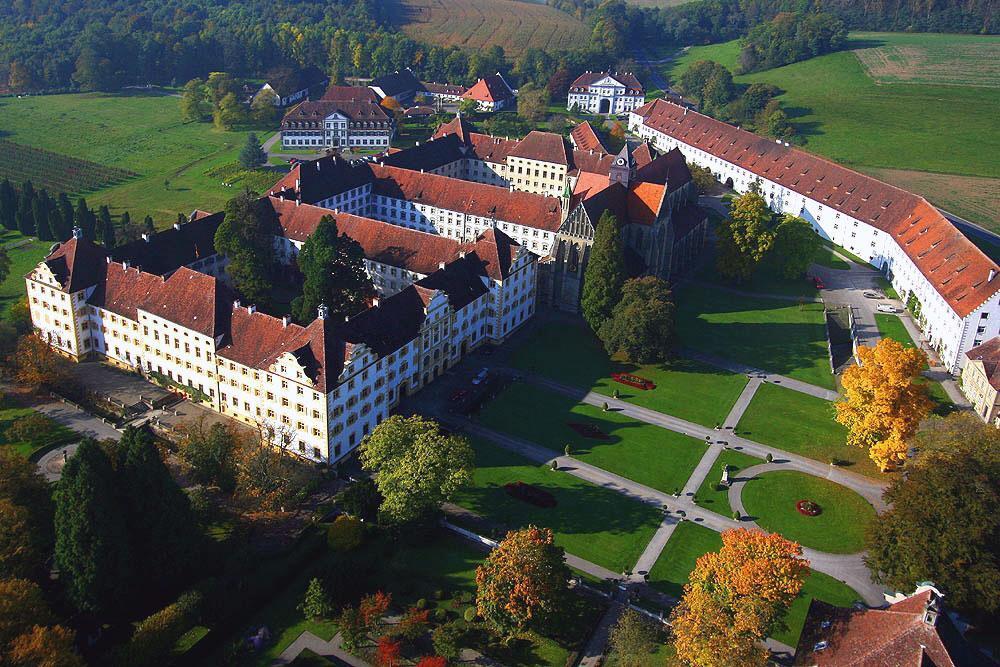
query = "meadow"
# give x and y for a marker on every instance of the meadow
(480, 24)
(138, 132)
(927, 121)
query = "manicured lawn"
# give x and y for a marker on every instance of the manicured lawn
(817, 586)
(684, 388)
(672, 568)
(591, 522)
(776, 336)
(795, 422)
(23, 259)
(52, 433)
(140, 131)
(890, 326)
(839, 528)
(828, 259)
(715, 499)
(765, 280)
(641, 452)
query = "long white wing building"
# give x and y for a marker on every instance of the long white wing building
(950, 283)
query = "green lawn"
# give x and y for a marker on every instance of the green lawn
(828, 259)
(641, 452)
(770, 499)
(776, 336)
(52, 433)
(765, 280)
(684, 388)
(138, 131)
(589, 521)
(716, 499)
(795, 422)
(23, 258)
(672, 568)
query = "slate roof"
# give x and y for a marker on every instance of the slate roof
(349, 93)
(428, 155)
(355, 110)
(953, 265)
(496, 251)
(443, 88)
(179, 245)
(397, 82)
(77, 264)
(284, 82)
(459, 280)
(989, 354)
(315, 180)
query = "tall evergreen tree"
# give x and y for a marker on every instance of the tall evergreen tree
(91, 541)
(252, 154)
(65, 229)
(25, 209)
(8, 204)
(334, 269)
(85, 219)
(160, 525)
(245, 238)
(605, 272)
(106, 227)
(43, 213)
(149, 228)
(60, 230)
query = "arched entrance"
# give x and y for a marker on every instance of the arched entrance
(604, 106)
(729, 183)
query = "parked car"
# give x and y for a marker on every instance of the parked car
(872, 295)
(818, 283)
(481, 376)
(885, 308)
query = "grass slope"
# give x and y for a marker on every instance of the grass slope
(684, 388)
(770, 499)
(138, 131)
(591, 522)
(777, 336)
(641, 452)
(24, 256)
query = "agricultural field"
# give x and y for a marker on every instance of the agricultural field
(54, 172)
(480, 24)
(893, 130)
(138, 132)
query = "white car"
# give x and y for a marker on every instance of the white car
(481, 376)
(885, 308)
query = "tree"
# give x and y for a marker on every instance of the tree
(795, 246)
(24, 488)
(316, 603)
(91, 541)
(632, 639)
(245, 238)
(468, 106)
(4, 264)
(522, 583)
(46, 647)
(642, 324)
(703, 178)
(362, 499)
(196, 103)
(252, 155)
(228, 113)
(63, 229)
(345, 534)
(532, 101)
(392, 105)
(155, 635)
(373, 607)
(414, 624)
(43, 221)
(433, 661)
(22, 606)
(106, 227)
(942, 524)
(333, 266)
(85, 219)
(605, 273)
(718, 91)
(447, 639)
(262, 108)
(744, 237)
(21, 548)
(209, 451)
(416, 466)
(387, 652)
(883, 405)
(36, 365)
(8, 204)
(736, 597)
(265, 472)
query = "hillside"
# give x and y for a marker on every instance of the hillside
(479, 24)
(918, 110)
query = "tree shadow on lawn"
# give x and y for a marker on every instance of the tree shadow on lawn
(782, 348)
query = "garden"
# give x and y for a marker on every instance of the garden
(641, 452)
(712, 494)
(28, 432)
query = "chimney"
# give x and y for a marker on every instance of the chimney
(418, 143)
(993, 273)
(685, 111)
(375, 302)
(236, 304)
(297, 182)
(322, 312)
(286, 320)
(146, 237)
(108, 259)
(177, 226)
(77, 233)
(125, 265)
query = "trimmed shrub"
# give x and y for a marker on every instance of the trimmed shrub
(470, 614)
(344, 534)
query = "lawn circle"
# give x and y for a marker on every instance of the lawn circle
(772, 498)
(808, 507)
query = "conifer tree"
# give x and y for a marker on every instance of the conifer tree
(43, 214)
(334, 269)
(252, 155)
(8, 204)
(245, 238)
(107, 228)
(91, 542)
(65, 229)
(85, 219)
(25, 209)
(149, 228)
(60, 231)
(605, 272)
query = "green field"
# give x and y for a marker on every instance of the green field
(840, 528)
(24, 255)
(50, 433)
(795, 422)
(641, 452)
(684, 388)
(709, 495)
(138, 131)
(846, 115)
(596, 524)
(776, 336)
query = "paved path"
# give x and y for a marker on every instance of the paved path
(593, 652)
(742, 403)
(702, 470)
(784, 381)
(331, 650)
(80, 421)
(652, 551)
(51, 464)
(937, 371)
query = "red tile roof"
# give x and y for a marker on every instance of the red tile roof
(348, 93)
(544, 146)
(586, 79)
(989, 354)
(355, 110)
(443, 88)
(955, 267)
(496, 250)
(457, 125)
(491, 149)
(491, 88)
(77, 264)
(585, 138)
(197, 301)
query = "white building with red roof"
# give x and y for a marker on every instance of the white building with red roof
(606, 93)
(491, 93)
(953, 286)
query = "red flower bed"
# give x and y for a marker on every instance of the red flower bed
(588, 430)
(530, 494)
(808, 507)
(633, 381)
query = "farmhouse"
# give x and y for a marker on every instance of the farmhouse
(491, 93)
(337, 124)
(443, 93)
(950, 285)
(316, 389)
(981, 380)
(605, 93)
(349, 94)
(402, 86)
(288, 86)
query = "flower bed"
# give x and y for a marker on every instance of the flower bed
(530, 494)
(633, 381)
(808, 508)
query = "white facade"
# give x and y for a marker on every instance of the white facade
(606, 96)
(942, 327)
(338, 131)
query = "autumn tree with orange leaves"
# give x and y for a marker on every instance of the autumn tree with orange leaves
(37, 366)
(736, 598)
(883, 405)
(522, 583)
